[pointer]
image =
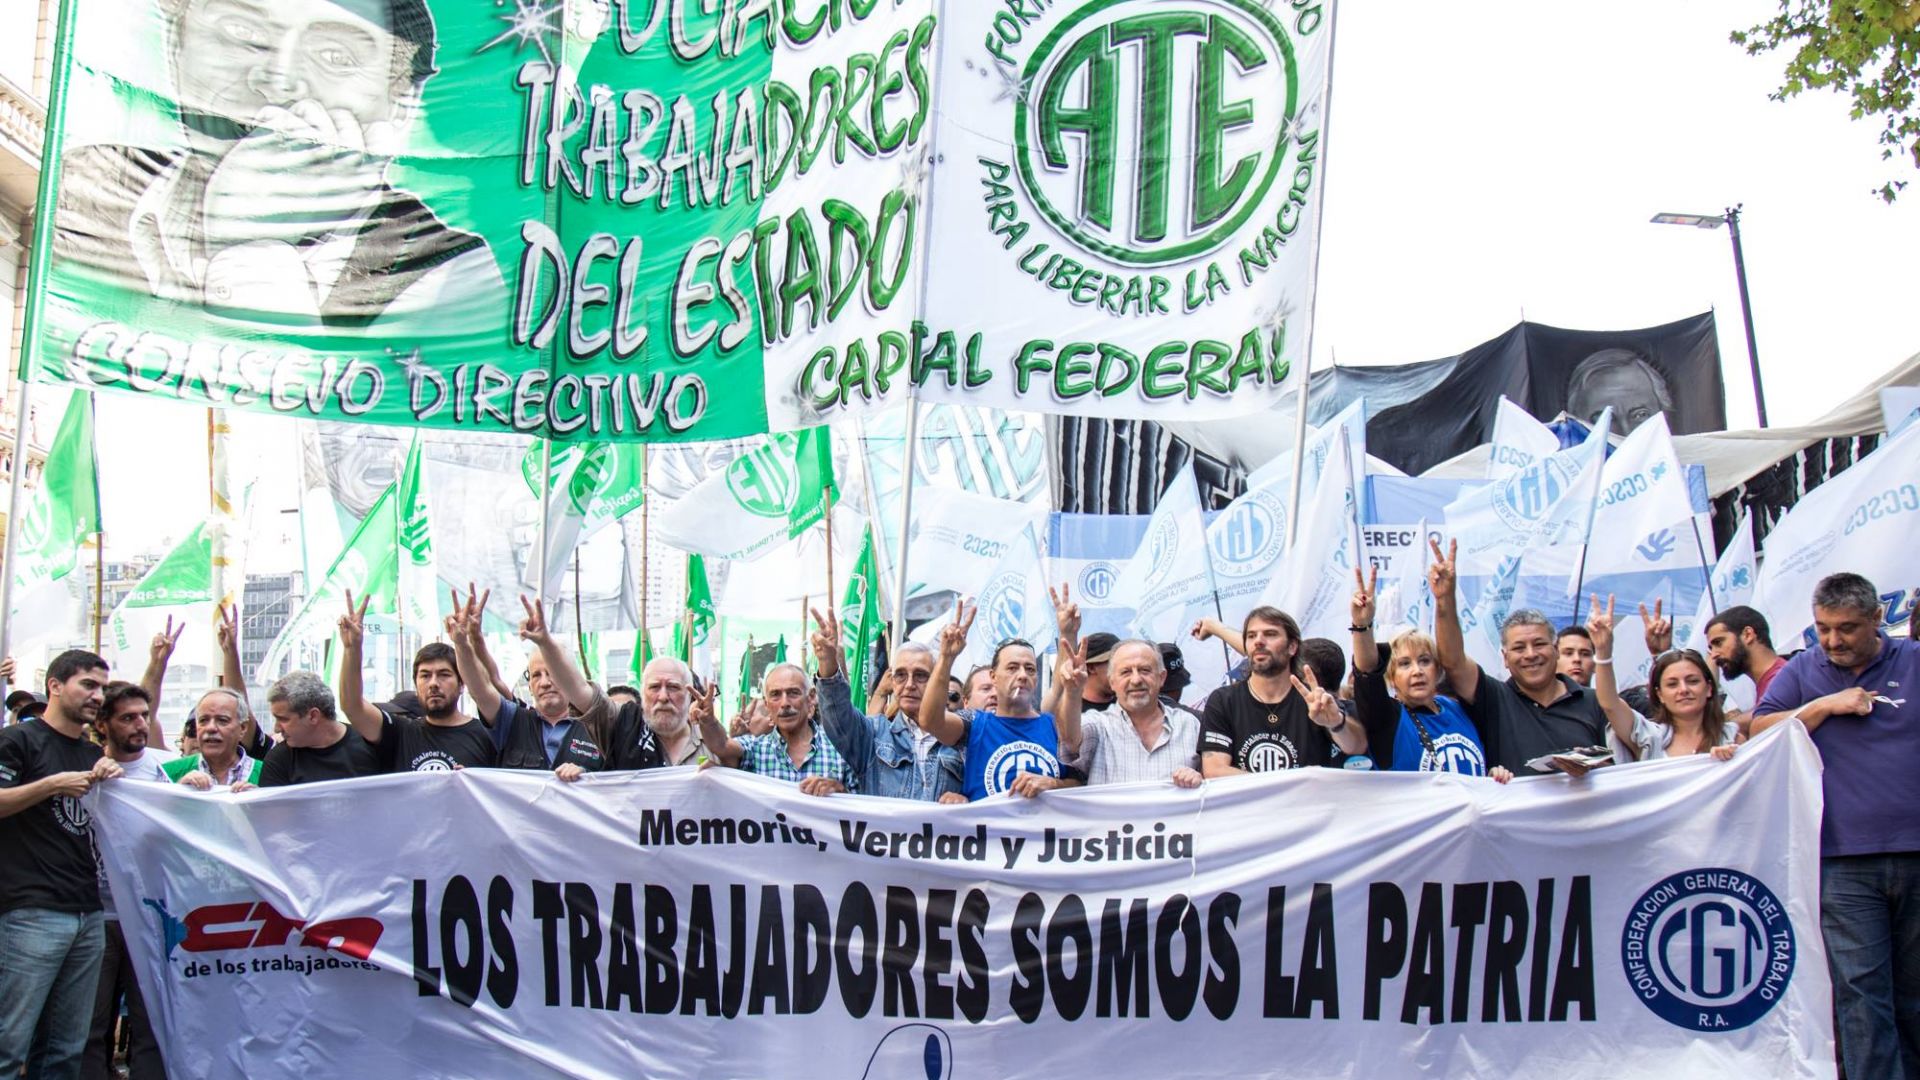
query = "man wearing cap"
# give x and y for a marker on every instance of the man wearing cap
(1139, 738)
(1098, 693)
(23, 704)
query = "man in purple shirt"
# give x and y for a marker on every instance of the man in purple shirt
(1851, 692)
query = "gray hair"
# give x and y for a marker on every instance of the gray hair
(912, 647)
(239, 703)
(1524, 617)
(303, 690)
(1159, 664)
(806, 680)
(672, 662)
(1847, 592)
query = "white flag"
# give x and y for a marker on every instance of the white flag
(1169, 583)
(1548, 503)
(1519, 441)
(1864, 520)
(1315, 581)
(1403, 601)
(957, 538)
(1732, 585)
(1643, 488)
(1011, 603)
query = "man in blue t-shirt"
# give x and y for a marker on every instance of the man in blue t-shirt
(1015, 748)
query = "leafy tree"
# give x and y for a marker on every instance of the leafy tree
(1866, 49)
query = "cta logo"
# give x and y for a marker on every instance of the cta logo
(1154, 129)
(1708, 950)
(255, 924)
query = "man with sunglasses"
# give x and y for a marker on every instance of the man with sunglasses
(893, 757)
(1015, 749)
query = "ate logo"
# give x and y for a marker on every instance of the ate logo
(1003, 602)
(256, 924)
(763, 480)
(1152, 131)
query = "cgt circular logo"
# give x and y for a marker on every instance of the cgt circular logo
(1151, 131)
(1708, 950)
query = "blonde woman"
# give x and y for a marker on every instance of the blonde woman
(1416, 728)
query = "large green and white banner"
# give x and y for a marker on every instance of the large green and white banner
(684, 219)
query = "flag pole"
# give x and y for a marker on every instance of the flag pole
(579, 627)
(906, 519)
(1313, 306)
(646, 550)
(826, 514)
(546, 497)
(99, 583)
(16, 485)
(400, 599)
(1706, 563)
(39, 259)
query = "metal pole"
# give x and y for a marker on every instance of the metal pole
(546, 497)
(39, 259)
(1746, 313)
(906, 521)
(18, 484)
(1319, 222)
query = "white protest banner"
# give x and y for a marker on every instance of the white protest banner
(689, 924)
(1519, 441)
(1125, 205)
(1861, 520)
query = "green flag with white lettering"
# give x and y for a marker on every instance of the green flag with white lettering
(183, 577)
(369, 565)
(690, 633)
(861, 622)
(66, 507)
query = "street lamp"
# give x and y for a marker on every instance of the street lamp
(1731, 219)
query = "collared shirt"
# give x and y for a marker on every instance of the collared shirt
(767, 755)
(1111, 751)
(1516, 729)
(1872, 773)
(244, 768)
(889, 756)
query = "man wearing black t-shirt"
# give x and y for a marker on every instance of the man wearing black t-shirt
(655, 731)
(51, 936)
(443, 740)
(1535, 713)
(314, 745)
(1273, 720)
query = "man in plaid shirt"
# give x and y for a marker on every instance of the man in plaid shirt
(796, 749)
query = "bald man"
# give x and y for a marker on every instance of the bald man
(654, 732)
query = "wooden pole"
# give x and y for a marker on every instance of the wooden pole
(579, 627)
(826, 507)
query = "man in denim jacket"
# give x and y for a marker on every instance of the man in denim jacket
(889, 756)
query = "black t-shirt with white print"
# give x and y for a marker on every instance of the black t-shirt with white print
(411, 744)
(46, 850)
(1258, 737)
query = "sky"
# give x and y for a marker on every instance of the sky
(1483, 162)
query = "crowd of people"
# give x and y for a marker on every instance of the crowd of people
(1111, 714)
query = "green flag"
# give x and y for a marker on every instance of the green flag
(418, 575)
(813, 467)
(591, 484)
(369, 565)
(861, 622)
(746, 672)
(690, 633)
(66, 507)
(184, 576)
